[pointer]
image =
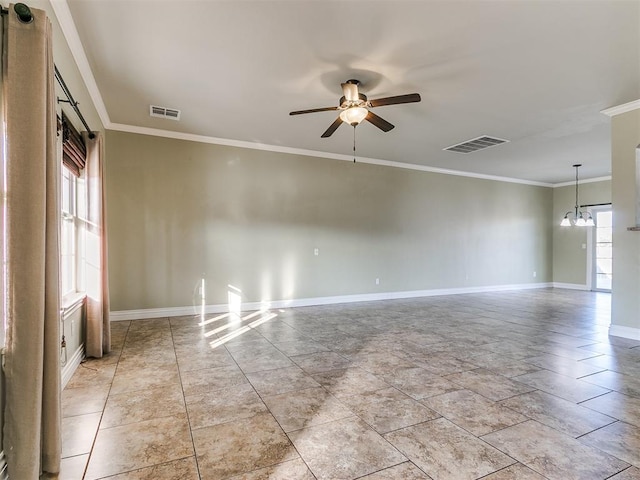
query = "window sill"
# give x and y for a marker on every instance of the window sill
(72, 302)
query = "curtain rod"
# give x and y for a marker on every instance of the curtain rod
(72, 102)
(596, 205)
(25, 16)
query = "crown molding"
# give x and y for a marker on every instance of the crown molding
(624, 108)
(311, 153)
(63, 14)
(580, 182)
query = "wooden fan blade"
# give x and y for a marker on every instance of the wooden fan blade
(408, 98)
(379, 122)
(313, 110)
(332, 128)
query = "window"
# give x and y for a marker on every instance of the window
(73, 204)
(72, 242)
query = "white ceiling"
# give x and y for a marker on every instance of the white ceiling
(536, 73)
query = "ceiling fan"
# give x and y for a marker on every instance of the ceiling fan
(354, 108)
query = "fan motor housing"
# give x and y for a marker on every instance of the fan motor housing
(345, 104)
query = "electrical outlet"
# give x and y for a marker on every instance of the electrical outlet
(535, 274)
(377, 281)
(316, 252)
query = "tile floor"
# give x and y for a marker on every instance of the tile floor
(510, 385)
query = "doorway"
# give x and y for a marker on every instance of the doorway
(602, 264)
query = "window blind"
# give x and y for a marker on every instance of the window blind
(74, 153)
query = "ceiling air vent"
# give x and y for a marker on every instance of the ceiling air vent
(475, 144)
(163, 112)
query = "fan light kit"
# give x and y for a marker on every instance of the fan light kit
(580, 219)
(354, 108)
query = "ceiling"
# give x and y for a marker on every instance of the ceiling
(536, 73)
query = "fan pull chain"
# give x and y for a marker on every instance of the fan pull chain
(354, 143)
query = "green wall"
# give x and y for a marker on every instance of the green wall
(180, 210)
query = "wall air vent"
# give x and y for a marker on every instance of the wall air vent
(475, 144)
(163, 112)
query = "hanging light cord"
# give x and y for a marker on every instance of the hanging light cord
(354, 143)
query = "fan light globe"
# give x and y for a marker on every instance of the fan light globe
(590, 222)
(580, 222)
(565, 222)
(353, 115)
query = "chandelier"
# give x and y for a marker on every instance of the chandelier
(576, 216)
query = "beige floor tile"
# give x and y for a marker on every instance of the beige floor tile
(513, 349)
(240, 447)
(291, 470)
(443, 450)
(300, 347)
(389, 409)
(305, 408)
(132, 407)
(134, 357)
(92, 373)
(563, 366)
(196, 382)
(626, 384)
(133, 378)
(541, 338)
(139, 445)
(418, 383)
(488, 384)
(621, 364)
(553, 454)
(72, 468)
(404, 471)
(617, 405)
(83, 400)
(631, 473)
(313, 363)
(344, 449)
(555, 412)
(349, 381)
(199, 359)
(515, 472)
(619, 439)
(562, 386)
(281, 380)
(78, 433)
(473, 412)
(224, 405)
(441, 364)
(183, 469)
(503, 364)
(575, 353)
(379, 363)
(265, 361)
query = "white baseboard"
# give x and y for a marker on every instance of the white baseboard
(570, 286)
(72, 365)
(306, 302)
(626, 332)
